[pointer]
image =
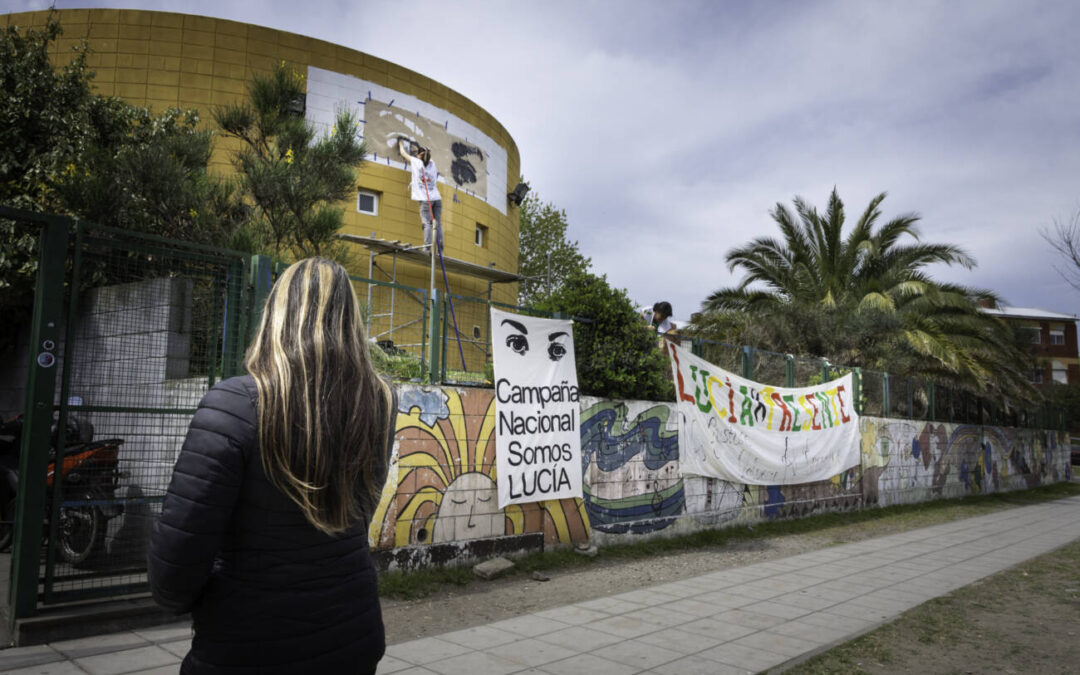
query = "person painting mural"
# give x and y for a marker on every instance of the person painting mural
(424, 189)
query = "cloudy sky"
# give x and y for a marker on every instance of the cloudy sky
(669, 130)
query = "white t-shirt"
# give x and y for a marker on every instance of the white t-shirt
(420, 173)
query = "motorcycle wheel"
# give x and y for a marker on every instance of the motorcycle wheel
(7, 524)
(81, 533)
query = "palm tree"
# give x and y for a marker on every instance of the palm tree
(865, 299)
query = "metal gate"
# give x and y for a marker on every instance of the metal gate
(128, 332)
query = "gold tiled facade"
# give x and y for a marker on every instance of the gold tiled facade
(162, 60)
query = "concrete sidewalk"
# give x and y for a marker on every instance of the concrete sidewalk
(737, 620)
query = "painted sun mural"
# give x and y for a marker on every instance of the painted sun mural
(441, 485)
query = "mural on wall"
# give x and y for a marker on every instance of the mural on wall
(464, 162)
(467, 159)
(441, 484)
(629, 457)
(908, 460)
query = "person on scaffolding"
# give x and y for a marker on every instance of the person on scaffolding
(424, 189)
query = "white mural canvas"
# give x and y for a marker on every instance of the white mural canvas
(468, 160)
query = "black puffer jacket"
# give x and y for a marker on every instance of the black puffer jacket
(268, 593)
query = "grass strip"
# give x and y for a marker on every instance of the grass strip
(835, 527)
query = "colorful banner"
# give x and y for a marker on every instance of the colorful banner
(537, 426)
(745, 432)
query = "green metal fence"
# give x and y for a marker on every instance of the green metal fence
(128, 332)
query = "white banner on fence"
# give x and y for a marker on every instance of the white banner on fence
(745, 432)
(538, 431)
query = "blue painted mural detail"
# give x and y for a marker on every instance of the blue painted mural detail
(639, 454)
(431, 402)
(773, 501)
(612, 449)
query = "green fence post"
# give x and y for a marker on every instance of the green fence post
(886, 408)
(435, 341)
(748, 362)
(933, 403)
(824, 370)
(856, 386)
(789, 371)
(696, 346)
(45, 333)
(261, 278)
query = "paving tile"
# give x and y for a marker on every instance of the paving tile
(742, 656)
(416, 670)
(161, 670)
(696, 665)
(694, 607)
(388, 664)
(856, 611)
(777, 608)
(480, 637)
(683, 589)
(178, 647)
(624, 626)
(743, 617)
(572, 614)
(580, 638)
(610, 605)
(19, 657)
(639, 655)
(473, 663)
(177, 631)
(127, 661)
(99, 644)
(805, 601)
(588, 663)
(720, 631)
(757, 590)
(529, 625)
(805, 630)
(531, 652)
(425, 650)
(661, 616)
(54, 668)
(726, 599)
(681, 640)
(775, 642)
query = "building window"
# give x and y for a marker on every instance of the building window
(367, 202)
(1057, 336)
(481, 236)
(1029, 334)
(1035, 376)
(476, 332)
(1060, 372)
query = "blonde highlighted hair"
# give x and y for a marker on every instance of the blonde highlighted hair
(324, 414)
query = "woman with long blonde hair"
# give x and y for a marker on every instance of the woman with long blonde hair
(263, 531)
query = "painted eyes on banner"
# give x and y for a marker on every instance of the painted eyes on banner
(517, 341)
(556, 349)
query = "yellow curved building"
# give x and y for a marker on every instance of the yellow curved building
(162, 60)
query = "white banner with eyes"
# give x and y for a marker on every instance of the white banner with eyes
(537, 415)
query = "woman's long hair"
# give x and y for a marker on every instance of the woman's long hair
(324, 414)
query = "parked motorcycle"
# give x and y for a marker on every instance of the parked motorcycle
(90, 473)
